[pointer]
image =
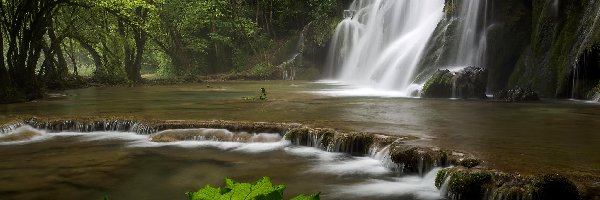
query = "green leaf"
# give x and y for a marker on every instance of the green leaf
(315, 196)
(263, 189)
(205, 193)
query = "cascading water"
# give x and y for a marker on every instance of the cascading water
(471, 48)
(381, 42)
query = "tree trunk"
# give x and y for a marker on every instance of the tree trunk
(95, 55)
(61, 67)
(5, 94)
(71, 54)
(140, 45)
(128, 60)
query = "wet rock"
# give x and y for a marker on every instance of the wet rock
(487, 184)
(469, 162)
(517, 94)
(330, 140)
(423, 159)
(594, 94)
(20, 134)
(470, 82)
(553, 186)
(213, 135)
(439, 85)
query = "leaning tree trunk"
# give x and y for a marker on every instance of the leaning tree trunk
(5, 95)
(56, 42)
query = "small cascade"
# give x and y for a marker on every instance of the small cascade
(390, 151)
(384, 156)
(575, 77)
(290, 66)
(75, 126)
(444, 186)
(10, 128)
(217, 135)
(380, 42)
(454, 95)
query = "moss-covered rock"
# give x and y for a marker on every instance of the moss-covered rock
(553, 186)
(439, 85)
(469, 82)
(594, 93)
(468, 185)
(487, 184)
(414, 159)
(562, 30)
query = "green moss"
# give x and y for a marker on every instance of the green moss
(296, 133)
(470, 162)
(468, 185)
(439, 85)
(441, 177)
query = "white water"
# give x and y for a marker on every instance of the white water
(419, 187)
(377, 182)
(380, 44)
(473, 36)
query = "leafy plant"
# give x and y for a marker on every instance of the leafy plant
(262, 96)
(262, 189)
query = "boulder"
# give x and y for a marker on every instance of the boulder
(470, 82)
(439, 85)
(516, 94)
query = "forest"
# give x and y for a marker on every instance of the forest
(322, 99)
(60, 44)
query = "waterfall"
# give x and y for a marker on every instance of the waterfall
(585, 35)
(473, 36)
(380, 42)
(289, 67)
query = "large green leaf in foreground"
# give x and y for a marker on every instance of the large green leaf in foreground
(263, 189)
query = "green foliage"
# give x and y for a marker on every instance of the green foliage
(263, 71)
(325, 17)
(262, 96)
(262, 189)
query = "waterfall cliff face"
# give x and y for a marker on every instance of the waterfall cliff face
(380, 42)
(384, 44)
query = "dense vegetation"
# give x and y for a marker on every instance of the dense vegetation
(263, 189)
(50, 44)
